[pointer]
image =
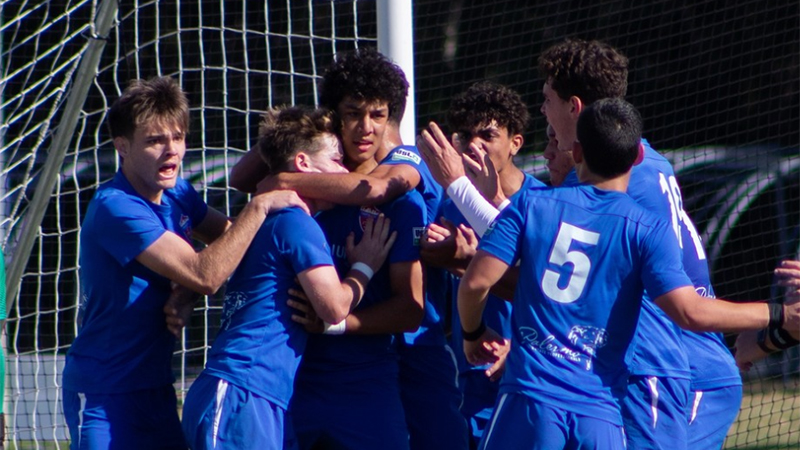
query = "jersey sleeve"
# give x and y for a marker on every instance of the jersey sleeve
(125, 227)
(405, 154)
(502, 239)
(408, 218)
(662, 266)
(301, 239)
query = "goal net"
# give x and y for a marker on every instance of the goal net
(718, 86)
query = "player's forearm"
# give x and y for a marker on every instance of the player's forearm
(248, 172)
(477, 210)
(471, 303)
(695, 313)
(395, 315)
(344, 189)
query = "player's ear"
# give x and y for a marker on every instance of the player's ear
(576, 106)
(516, 143)
(302, 162)
(122, 144)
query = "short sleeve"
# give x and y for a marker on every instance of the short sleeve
(124, 227)
(502, 239)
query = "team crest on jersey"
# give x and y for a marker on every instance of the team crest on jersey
(186, 226)
(365, 213)
(405, 155)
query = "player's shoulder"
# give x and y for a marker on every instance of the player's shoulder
(653, 162)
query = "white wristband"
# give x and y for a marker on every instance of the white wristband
(334, 328)
(363, 268)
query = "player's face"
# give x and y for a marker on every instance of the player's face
(152, 158)
(494, 140)
(329, 158)
(561, 116)
(363, 127)
(559, 162)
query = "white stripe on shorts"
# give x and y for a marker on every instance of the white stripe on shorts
(494, 419)
(222, 388)
(697, 397)
(653, 383)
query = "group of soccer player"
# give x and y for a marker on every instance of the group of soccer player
(390, 296)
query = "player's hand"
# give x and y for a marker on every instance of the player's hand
(443, 160)
(274, 200)
(501, 351)
(448, 246)
(788, 276)
(482, 173)
(746, 351)
(178, 308)
(484, 350)
(305, 315)
(375, 244)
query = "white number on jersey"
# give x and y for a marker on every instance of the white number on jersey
(679, 217)
(561, 255)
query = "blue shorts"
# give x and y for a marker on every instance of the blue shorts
(219, 415)
(520, 422)
(133, 420)
(654, 412)
(480, 395)
(362, 415)
(711, 415)
(431, 399)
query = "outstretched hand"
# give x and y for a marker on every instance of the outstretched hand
(483, 174)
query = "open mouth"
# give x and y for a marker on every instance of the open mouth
(168, 170)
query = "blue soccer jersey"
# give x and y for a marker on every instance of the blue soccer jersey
(353, 357)
(259, 346)
(588, 254)
(123, 344)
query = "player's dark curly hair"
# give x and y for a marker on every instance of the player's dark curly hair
(484, 102)
(365, 74)
(610, 131)
(158, 99)
(589, 70)
(286, 131)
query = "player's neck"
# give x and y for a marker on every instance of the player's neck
(511, 179)
(619, 183)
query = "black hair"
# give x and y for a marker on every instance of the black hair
(610, 132)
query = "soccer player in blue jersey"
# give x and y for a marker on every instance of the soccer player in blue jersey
(588, 253)
(136, 240)
(577, 73)
(240, 399)
(491, 119)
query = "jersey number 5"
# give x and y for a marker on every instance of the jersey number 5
(561, 255)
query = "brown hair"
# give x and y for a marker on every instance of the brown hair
(285, 131)
(158, 99)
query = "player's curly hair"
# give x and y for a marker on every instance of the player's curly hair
(158, 99)
(484, 102)
(589, 70)
(610, 131)
(285, 131)
(365, 74)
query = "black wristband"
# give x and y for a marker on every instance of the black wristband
(474, 335)
(775, 314)
(780, 338)
(761, 341)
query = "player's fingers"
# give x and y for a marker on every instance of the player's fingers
(495, 371)
(301, 320)
(299, 306)
(350, 242)
(299, 294)
(438, 135)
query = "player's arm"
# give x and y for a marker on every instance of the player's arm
(248, 172)
(205, 271)
(333, 299)
(481, 344)
(213, 225)
(385, 183)
(402, 312)
(696, 313)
